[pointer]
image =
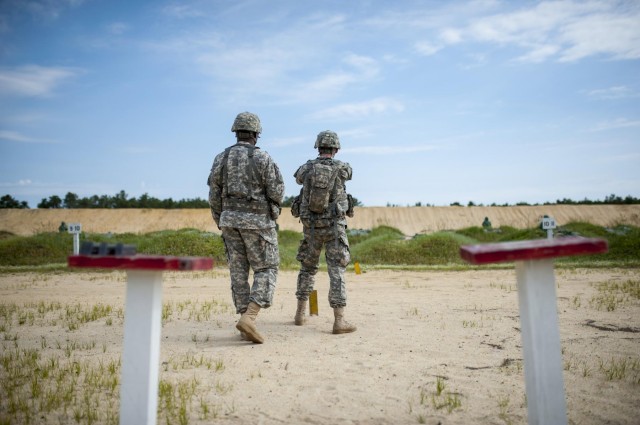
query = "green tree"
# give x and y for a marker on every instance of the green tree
(53, 202)
(121, 201)
(8, 201)
(70, 200)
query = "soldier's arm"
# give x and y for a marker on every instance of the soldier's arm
(342, 201)
(215, 183)
(346, 172)
(274, 182)
(301, 173)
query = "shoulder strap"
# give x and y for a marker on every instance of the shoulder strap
(225, 172)
(334, 178)
(254, 168)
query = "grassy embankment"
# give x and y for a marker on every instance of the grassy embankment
(383, 247)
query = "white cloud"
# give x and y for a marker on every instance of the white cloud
(451, 36)
(33, 80)
(276, 62)
(615, 124)
(182, 11)
(388, 150)
(427, 48)
(616, 92)
(138, 150)
(19, 183)
(376, 106)
(285, 141)
(117, 28)
(565, 30)
(610, 34)
(539, 54)
(623, 157)
(13, 136)
(365, 66)
(47, 9)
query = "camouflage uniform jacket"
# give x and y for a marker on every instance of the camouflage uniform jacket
(245, 194)
(333, 215)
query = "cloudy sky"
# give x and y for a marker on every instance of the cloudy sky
(434, 101)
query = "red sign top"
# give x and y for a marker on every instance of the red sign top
(532, 250)
(141, 262)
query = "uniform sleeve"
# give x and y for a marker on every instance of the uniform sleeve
(342, 203)
(301, 173)
(346, 171)
(215, 183)
(275, 182)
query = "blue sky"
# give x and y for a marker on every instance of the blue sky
(434, 101)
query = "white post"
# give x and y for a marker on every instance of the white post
(141, 348)
(75, 229)
(541, 342)
(548, 224)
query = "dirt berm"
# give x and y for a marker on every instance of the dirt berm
(409, 220)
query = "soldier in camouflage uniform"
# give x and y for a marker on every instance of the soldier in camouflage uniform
(327, 229)
(245, 192)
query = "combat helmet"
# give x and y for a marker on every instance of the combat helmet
(246, 121)
(327, 139)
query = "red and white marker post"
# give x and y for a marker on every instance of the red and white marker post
(538, 314)
(142, 326)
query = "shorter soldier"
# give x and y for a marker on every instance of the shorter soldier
(322, 206)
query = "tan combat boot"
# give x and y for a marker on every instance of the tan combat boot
(300, 318)
(247, 323)
(341, 326)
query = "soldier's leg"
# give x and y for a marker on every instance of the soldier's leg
(338, 257)
(238, 268)
(309, 258)
(264, 258)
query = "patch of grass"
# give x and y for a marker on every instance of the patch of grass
(77, 382)
(288, 242)
(381, 247)
(613, 294)
(43, 248)
(621, 369)
(501, 234)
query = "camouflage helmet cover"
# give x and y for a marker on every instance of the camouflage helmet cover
(327, 139)
(246, 121)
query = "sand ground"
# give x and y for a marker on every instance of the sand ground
(414, 329)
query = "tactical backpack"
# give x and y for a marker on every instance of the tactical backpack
(320, 181)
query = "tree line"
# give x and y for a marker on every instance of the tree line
(122, 200)
(119, 200)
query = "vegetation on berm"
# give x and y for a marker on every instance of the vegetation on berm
(379, 248)
(122, 200)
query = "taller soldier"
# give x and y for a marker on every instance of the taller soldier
(322, 206)
(245, 192)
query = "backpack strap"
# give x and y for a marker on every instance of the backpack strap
(225, 172)
(334, 191)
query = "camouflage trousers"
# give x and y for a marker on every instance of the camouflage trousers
(256, 249)
(334, 239)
